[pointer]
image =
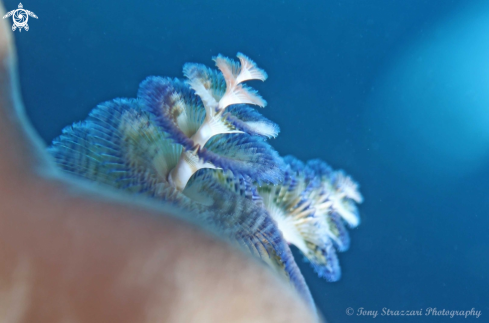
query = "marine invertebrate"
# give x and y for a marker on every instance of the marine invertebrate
(309, 207)
(201, 145)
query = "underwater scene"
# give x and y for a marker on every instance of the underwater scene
(344, 144)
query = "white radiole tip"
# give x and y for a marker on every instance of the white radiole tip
(249, 70)
(239, 94)
(263, 128)
(349, 187)
(228, 68)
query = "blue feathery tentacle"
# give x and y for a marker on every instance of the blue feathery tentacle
(88, 151)
(244, 155)
(245, 118)
(232, 211)
(342, 189)
(117, 146)
(291, 205)
(173, 107)
(320, 168)
(210, 78)
(337, 232)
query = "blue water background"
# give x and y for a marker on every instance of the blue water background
(355, 83)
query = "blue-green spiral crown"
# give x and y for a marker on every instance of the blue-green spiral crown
(200, 144)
